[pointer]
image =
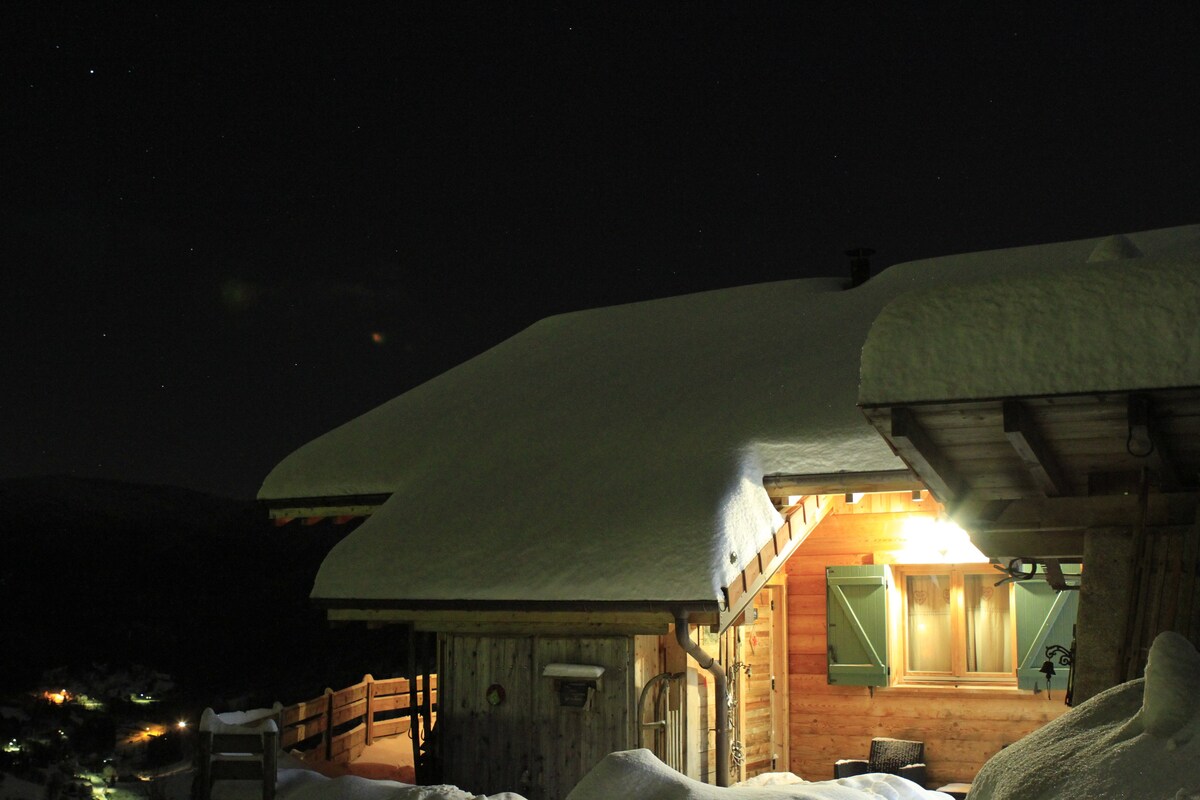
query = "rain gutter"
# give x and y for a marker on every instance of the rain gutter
(722, 692)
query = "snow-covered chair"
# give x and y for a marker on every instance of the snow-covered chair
(238, 745)
(895, 756)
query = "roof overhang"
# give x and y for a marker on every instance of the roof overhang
(1028, 475)
(523, 617)
(340, 508)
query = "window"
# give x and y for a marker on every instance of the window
(942, 624)
(955, 624)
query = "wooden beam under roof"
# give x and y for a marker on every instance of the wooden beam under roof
(1029, 544)
(1044, 514)
(890, 480)
(514, 622)
(1043, 467)
(913, 444)
(349, 505)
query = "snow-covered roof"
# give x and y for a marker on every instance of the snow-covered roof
(1125, 318)
(618, 454)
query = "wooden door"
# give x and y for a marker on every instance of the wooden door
(484, 715)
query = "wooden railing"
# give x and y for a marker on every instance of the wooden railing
(338, 725)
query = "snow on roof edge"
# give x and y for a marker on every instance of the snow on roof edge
(1077, 330)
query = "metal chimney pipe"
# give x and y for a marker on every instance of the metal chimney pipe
(860, 265)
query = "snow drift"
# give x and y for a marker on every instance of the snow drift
(638, 775)
(1136, 741)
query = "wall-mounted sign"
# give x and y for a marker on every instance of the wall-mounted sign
(574, 694)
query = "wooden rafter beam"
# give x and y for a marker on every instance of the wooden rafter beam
(913, 444)
(1043, 467)
(1044, 514)
(805, 517)
(1145, 441)
(892, 480)
(1029, 544)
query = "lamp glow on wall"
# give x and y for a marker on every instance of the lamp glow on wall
(930, 540)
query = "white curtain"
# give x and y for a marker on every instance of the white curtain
(989, 646)
(928, 600)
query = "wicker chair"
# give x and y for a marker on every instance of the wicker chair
(897, 756)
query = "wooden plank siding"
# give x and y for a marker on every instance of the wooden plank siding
(961, 728)
(756, 721)
(528, 742)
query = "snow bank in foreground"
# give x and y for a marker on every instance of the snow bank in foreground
(1136, 741)
(298, 781)
(304, 785)
(638, 774)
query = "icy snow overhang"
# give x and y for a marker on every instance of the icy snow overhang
(1061, 386)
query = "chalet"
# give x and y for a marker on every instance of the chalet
(729, 526)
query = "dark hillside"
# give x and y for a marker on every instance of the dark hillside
(200, 587)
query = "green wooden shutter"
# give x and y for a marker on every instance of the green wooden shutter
(856, 615)
(1044, 618)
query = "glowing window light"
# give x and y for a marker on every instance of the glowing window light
(937, 541)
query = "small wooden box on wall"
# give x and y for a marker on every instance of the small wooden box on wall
(574, 683)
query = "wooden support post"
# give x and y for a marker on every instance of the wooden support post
(1185, 614)
(1043, 467)
(370, 719)
(1100, 644)
(204, 767)
(426, 709)
(327, 736)
(414, 723)
(270, 764)
(1138, 589)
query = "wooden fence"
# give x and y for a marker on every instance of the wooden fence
(338, 725)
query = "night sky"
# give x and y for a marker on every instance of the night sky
(231, 228)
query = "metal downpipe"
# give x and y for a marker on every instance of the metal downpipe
(722, 692)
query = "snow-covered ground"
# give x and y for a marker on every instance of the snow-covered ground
(1136, 741)
(638, 774)
(628, 775)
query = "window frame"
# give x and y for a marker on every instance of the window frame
(958, 674)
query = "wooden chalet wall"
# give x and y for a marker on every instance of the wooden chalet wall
(762, 696)
(527, 742)
(961, 728)
(755, 654)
